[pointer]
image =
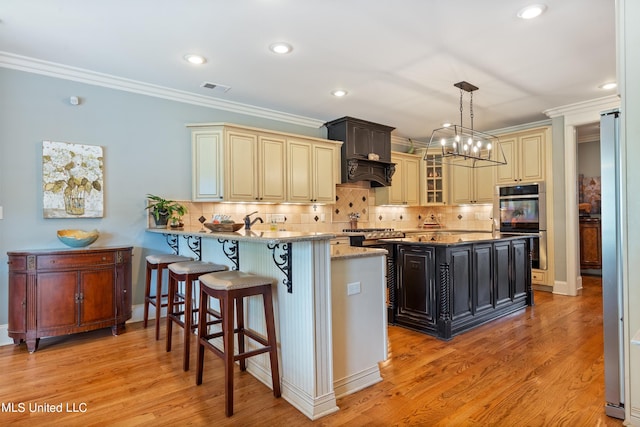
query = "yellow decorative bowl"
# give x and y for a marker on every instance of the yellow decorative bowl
(225, 227)
(78, 238)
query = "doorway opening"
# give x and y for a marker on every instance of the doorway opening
(589, 198)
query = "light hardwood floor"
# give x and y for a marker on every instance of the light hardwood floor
(540, 367)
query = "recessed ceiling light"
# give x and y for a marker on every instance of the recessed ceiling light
(608, 86)
(532, 11)
(281, 48)
(446, 124)
(195, 59)
(339, 92)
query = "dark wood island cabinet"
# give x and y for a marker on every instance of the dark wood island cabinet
(62, 292)
(447, 284)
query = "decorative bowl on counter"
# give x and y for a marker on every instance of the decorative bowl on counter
(78, 238)
(223, 226)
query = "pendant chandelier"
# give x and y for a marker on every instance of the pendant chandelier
(464, 146)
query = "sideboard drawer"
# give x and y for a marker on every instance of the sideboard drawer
(17, 262)
(74, 260)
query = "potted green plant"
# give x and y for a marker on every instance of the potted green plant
(165, 211)
(177, 212)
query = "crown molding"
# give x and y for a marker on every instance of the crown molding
(599, 104)
(52, 69)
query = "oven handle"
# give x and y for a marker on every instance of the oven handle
(520, 197)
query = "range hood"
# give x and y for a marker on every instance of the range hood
(366, 150)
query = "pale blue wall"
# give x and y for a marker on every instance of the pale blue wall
(146, 150)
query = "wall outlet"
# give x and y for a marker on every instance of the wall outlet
(1, 213)
(353, 288)
(279, 218)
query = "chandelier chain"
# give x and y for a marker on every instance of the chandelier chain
(471, 109)
(461, 93)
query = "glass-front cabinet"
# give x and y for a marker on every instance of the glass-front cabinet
(434, 192)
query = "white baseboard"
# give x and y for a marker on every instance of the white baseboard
(137, 316)
(357, 381)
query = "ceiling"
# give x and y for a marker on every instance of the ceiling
(398, 60)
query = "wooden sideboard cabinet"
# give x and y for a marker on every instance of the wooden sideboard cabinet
(590, 244)
(60, 292)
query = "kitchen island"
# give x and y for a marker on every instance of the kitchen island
(302, 263)
(448, 283)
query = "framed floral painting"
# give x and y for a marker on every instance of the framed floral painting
(72, 180)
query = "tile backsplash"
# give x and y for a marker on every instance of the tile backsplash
(350, 198)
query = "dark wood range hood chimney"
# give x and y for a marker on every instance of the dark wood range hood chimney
(366, 150)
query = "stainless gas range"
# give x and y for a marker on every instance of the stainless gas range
(370, 236)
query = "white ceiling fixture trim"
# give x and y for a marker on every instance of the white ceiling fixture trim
(281, 48)
(532, 11)
(195, 59)
(51, 69)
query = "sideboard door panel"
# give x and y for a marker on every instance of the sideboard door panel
(18, 299)
(98, 301)
(57, 304)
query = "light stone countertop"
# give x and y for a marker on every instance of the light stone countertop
(456, 238)
(344, 252)
(248, 235)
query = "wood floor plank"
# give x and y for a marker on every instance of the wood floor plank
(539, 367)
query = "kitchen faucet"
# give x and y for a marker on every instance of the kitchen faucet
(247, 220)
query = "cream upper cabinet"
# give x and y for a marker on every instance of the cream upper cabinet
(312, 171)
(325, 172)
(471, 185)
(207, 183)
(405, 182)
(272, 158)
(434, 179)
(525, 155)
(241, 169)
(256, 166)
(242, 164)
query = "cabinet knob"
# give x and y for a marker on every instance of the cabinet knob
(104, 258)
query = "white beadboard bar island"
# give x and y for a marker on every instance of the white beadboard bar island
(302, 264)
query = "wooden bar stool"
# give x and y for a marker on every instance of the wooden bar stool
(229, 287)
(159, 263)
(187, 272)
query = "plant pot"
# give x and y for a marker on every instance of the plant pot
(161, 221)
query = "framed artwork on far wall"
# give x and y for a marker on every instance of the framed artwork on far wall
(72, 180)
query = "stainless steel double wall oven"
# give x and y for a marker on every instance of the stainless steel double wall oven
(522, 209)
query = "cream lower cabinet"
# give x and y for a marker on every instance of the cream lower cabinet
(241, 164)
(471, 185)
(525, 155)
(312, 171)
(405, 182)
